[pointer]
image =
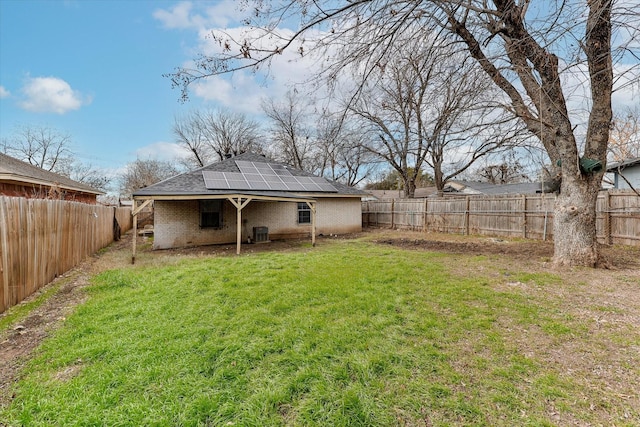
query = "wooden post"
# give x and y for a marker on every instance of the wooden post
(607, 218)
(239, 227)
(135, 211)
(4, 253)
(393, 209)
(239, 204)
(466, 215)
(135, 231)
(524, 216)
(312, 206)
(424, 216)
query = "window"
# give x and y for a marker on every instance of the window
(304, 213)
(211, 213)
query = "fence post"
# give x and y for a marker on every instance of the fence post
(466, 216)
(393, 203)
(524, 216)
(424, 216)
(607, 218)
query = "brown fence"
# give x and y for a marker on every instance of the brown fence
(42, 239)
(527, 216)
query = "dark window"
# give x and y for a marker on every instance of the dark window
(304, 213)
(211, 213)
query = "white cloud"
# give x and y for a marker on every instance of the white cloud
(178, 17)
(189, 15)
(51, 95)
(4, 93)
(244, 90)
(164, 151)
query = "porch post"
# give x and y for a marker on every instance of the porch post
(239, 204)
(312, 207)
(135, 231)
(135, 210)
(239, 228)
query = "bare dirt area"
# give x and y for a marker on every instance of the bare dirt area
(604, 303)
(612, 257)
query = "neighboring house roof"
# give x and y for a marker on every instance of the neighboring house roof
(398, 194)
(613, 167)
(486, 188)
(193, 183)
(17, 171)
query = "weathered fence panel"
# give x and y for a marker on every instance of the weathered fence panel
(42, 239)
(528, 216)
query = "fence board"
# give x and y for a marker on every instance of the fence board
(529, 216)
(42, 239)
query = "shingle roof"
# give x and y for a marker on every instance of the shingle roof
(613, 167)
(496, 189)
(19, 171)
(192, 183)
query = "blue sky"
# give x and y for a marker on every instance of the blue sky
(93, 69)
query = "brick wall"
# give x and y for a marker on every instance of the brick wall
(177, 223)
(44, 192)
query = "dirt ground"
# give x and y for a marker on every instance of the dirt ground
(615, 286)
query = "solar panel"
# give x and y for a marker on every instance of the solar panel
(264, 176)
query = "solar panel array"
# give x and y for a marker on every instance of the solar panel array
(264, 176)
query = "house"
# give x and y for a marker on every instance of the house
(20, 179)
(462, 188)
(626, 175)
(247, 198)
(488, 189)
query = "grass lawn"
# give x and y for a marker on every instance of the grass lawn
(346, 334)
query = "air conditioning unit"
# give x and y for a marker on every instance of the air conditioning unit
(260, 234)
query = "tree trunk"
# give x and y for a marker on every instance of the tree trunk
(410, 188)
(575, 240)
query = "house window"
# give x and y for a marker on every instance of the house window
(304, 213)
(211, 213)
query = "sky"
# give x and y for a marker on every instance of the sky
(93, 69)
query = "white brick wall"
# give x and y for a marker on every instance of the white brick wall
(177, 223)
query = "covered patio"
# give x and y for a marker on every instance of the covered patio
(238, 200)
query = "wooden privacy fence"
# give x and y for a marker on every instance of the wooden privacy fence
(42, 239)
(527, 216)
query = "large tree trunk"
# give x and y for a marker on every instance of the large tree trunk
(575, 240)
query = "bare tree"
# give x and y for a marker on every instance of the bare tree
(211, 135)
(431, 108)
(344, 157)
(142, 173)
(90, 175)
(190, 133)
(50, 149)
(535, 57)
(41, 146)
(292, 134)
(508, 170)
(624, 142)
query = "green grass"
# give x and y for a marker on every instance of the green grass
(348, 334)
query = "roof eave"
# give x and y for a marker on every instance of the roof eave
(21, 179)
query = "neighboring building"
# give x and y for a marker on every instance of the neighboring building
(20, 179)
(625, 173)
(488, 189)
(420, 193)
(248, 198)
(462, 188)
